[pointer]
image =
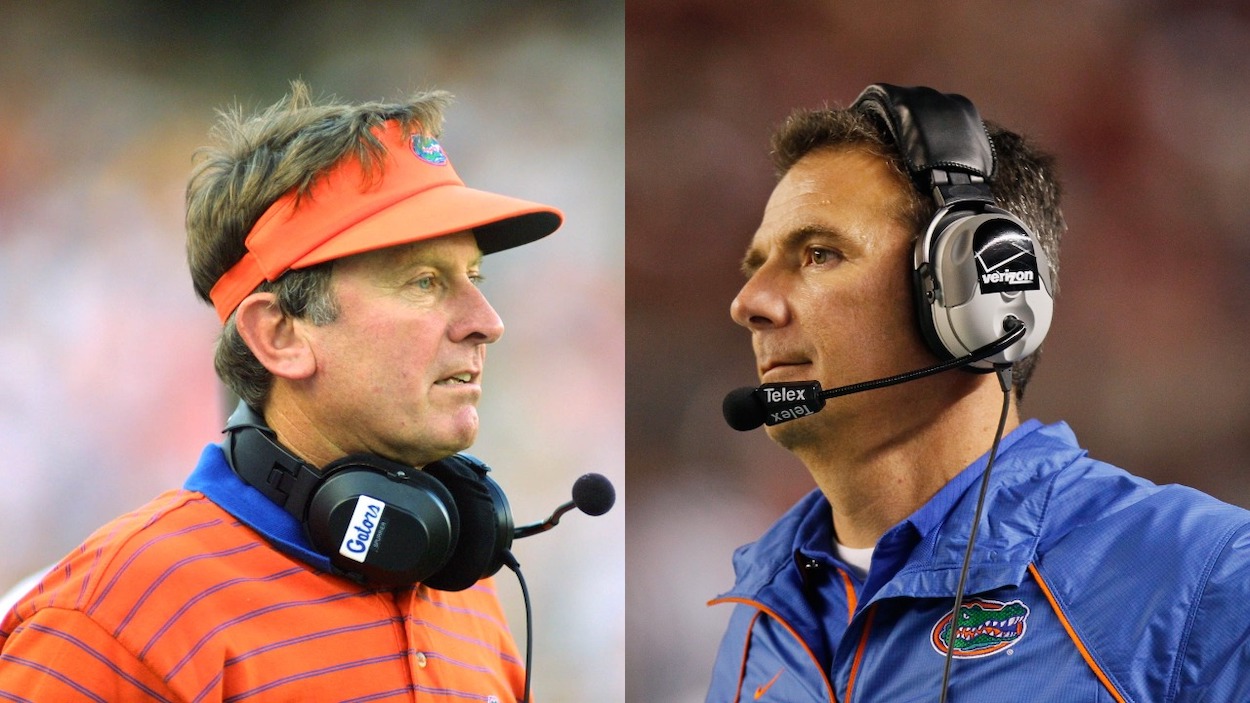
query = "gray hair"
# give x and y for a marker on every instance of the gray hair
(256, 160)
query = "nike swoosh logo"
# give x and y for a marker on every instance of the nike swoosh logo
(759, 692)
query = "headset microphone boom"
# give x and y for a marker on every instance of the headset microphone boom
(773, 403)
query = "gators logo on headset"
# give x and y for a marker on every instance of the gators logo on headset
(984, 627)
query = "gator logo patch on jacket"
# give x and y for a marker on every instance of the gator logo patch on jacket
(984, 627)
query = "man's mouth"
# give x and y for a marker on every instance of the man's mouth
(456, 379)
(772, 370)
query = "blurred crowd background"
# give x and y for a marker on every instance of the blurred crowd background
(106, 354)
(1144, 103)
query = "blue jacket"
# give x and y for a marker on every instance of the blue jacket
(1086, 584)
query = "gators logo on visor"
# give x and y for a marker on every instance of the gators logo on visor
(428, 150)
(984, 627)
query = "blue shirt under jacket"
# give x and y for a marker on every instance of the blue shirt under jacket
(1086, 584)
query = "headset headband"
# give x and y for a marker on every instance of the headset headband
(932, 130)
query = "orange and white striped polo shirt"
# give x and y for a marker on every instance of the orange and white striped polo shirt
(187, 600)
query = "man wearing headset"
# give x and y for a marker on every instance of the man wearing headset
(342, 254)
(904, 576)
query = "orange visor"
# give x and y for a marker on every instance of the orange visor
(416, 195)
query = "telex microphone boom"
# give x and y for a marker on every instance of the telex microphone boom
(774, 403)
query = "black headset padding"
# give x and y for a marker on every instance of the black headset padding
(934, 132)
(422, 519)
(486, 527)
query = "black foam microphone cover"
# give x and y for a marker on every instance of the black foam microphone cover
(485, 523)
(593, 494)
(742, 409)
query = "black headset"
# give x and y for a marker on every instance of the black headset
(446, 525)
(977, 266)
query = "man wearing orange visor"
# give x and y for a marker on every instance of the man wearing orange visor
(335, 545)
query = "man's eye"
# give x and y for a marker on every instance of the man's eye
(819, 256)
(425, 282)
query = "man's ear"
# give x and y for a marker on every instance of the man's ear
(274, 337)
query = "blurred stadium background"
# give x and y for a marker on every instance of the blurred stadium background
(1145, 104)
(106, 355)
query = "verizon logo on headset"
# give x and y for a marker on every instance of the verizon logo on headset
(1011, 278)
(1005, 258)
(363, 528)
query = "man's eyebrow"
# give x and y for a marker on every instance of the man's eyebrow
(751, 261)
(414, 258)
(755, 256)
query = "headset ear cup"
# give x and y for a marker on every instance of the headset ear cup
(977, 266)
(382, 522)
(486, 526)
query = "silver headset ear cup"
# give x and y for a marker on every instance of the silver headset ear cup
(975, 269)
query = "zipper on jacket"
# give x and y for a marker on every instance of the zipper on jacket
(859, 652)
